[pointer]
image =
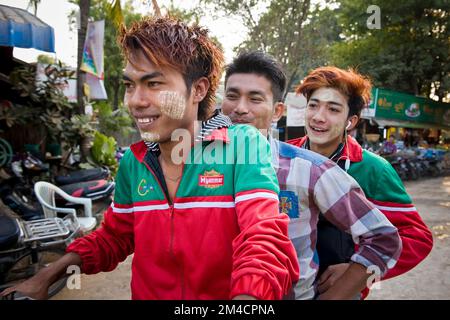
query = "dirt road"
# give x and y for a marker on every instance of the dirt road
(429, 280)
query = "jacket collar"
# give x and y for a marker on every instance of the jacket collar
(215, 128)
(354, 151)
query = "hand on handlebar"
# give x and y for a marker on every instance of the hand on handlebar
(35, 288)
(15, 296)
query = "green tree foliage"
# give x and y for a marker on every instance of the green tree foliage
(46, 104)
(280, 32)
(318, 34)
(296, 32)
(45, 59)
(113, 122)
(189, 16)
(247, 10)
(104, 150)
(115, 13)
(409, 53)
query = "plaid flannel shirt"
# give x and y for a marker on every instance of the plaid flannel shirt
(310, 184)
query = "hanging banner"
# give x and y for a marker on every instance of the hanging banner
(93, 49)
(97, 89)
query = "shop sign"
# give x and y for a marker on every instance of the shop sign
(393, 105)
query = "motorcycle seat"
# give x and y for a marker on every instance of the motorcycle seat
(82, 176)
(9, 232)
(90, 189)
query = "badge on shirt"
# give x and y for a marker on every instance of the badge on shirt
(210, 179)
(289, 203)
(144, 188)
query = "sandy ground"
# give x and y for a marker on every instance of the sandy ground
(429, 280)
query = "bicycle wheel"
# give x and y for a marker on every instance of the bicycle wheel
(25, 268)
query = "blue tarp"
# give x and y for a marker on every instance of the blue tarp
(19, 28)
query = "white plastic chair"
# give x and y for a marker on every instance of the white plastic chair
(45, 192)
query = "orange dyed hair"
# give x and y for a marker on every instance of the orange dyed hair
(350, 83)
(168, 42)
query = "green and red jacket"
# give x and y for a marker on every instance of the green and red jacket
(221, 237)
(383, 187)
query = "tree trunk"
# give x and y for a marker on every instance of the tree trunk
(34, 4)
(156, 8)
(84, 15)
(289, 84)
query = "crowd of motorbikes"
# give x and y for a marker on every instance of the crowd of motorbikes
(30, 240)
(413, 163)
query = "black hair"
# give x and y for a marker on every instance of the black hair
(262, 64)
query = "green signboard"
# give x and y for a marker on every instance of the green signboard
(391, 105)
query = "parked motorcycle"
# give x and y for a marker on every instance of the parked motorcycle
(415, 163)
(399, 165)
(31, 169)
(28, 246)
(16, 194)
(87, 183)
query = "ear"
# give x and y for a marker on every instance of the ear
(200, 89)
(278, 111)
(353, 122)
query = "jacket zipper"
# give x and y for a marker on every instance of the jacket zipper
(172, 233)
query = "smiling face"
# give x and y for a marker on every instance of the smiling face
(326, 119)
(249, 99)
(157, 99)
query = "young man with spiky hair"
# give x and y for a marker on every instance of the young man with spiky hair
(200, 230)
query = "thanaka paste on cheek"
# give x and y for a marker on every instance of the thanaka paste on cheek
(172, 104)
(336, 130)
(150, 136)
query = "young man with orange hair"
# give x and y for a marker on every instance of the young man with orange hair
(335, 100)
(199, 228)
